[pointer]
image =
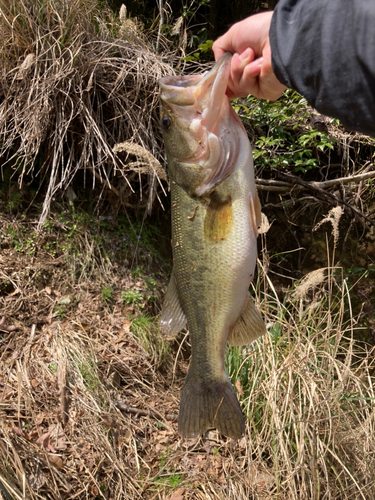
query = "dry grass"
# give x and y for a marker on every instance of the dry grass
(74, 83)
(309, 395)
(89, 394)
(89, 391)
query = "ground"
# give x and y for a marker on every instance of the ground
(90, 389)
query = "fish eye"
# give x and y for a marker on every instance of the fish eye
(166, 122)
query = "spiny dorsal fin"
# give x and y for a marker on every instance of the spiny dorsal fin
(172, 319)
(249, 326)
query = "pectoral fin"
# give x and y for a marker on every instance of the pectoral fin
(172, 319)
(255, 212)
(249, 326)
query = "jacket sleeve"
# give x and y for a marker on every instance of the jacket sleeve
(326, 51)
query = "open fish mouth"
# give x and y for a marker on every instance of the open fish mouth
(205, 91)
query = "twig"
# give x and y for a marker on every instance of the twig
(4, 491)
(161, 22)
(325, 195)
(282, 186)
(63, 389)
(345, 180)
(144, 413)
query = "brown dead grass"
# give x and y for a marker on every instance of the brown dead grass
(75, 81)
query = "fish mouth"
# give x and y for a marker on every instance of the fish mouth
(205, 91)
(183, 81)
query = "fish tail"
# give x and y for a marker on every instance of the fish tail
(208, 404)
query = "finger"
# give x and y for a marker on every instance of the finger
(244, 74)
(239, 63)
(249, 82)
(218, 49)
(252, 70)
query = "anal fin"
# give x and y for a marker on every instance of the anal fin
(249, 326)
(172, 318)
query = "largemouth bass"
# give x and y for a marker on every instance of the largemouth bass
(215, 216)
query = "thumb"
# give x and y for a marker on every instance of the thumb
(217, 50)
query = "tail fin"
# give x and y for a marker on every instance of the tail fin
(208, 404)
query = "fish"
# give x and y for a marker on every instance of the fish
(215, 213)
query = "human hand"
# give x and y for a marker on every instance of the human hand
(251, 67)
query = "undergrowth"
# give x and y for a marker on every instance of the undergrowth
(289, 134)
(308, 389)
(76, 81)
(308, 392)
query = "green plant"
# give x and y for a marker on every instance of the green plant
(60, 311)
(146, 329)
(151, 283)
(88, 370)
(287, 140)
(13, 201)
(361, 271)
(132, 297)
(202, 50)
(172, 480)
(106, 293)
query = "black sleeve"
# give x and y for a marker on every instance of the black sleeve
(325, 49)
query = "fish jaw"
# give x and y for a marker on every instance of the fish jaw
(203, 92)
(196, 119)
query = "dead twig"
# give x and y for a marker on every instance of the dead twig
(144, 413)
(325, 195)
(283, 186)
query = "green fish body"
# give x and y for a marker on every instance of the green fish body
(215, 215)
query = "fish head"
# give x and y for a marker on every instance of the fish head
(196, 119)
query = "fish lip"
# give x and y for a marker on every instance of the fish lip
(221, 65)
(176, 84)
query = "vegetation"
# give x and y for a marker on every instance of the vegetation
(306, 393)
(70, 92)
(93, 378)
